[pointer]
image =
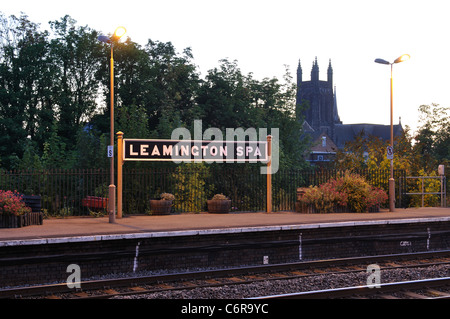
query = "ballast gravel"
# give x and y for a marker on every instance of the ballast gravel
(316, 282)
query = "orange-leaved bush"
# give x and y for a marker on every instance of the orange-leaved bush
(350, 192)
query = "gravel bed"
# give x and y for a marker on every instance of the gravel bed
(275, 287)
(119, 275)
(316, 282)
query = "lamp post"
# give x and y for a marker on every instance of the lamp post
(120, 31)
(402, 58)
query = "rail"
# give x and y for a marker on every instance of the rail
(229, 276)
(359, 291)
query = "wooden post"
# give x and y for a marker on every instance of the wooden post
(269, 174)
(119, 173)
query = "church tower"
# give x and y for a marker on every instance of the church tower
(317, 108)
(322, 112)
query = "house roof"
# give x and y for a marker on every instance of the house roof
(347, 132)
(318, 146)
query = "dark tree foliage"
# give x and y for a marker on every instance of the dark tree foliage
(55, 96)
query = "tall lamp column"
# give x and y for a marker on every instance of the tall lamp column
(120, 31)
(402, 58)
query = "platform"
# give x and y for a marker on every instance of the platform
(42, 253)
(89, 228)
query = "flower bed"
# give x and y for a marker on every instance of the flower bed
(15, 213)
(27, 219)
(350, 193)
(94, 202)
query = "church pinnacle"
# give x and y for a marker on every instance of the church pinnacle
(315, 71)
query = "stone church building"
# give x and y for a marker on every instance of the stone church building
(322, 121)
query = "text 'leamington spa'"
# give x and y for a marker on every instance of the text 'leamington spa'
(183, 150)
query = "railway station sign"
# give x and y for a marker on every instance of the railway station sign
(195, 151)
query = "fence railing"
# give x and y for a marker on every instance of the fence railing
(429, 194)
(62, 191)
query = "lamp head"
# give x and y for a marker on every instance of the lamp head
(104, 39)
(403, 58)
(120, 32)
(381, 61)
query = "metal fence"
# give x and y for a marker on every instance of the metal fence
(62, 191)
(437, 191)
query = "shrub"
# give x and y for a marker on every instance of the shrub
(357, 190)
(377, 197)
(11, 203)
(319, 199)
(350, 192)
(167, 196)
(190, 187)
(219, 197)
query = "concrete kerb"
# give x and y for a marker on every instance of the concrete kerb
(214, 231)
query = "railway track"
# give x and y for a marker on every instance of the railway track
(108, 288)
(435, 288)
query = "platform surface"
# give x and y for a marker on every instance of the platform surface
(89, 226)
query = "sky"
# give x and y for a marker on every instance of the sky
(264, 36)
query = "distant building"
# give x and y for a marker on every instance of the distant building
(321, 119)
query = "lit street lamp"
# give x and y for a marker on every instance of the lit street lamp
(402, 58)
(120, 31)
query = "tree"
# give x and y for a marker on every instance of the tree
(156, 80)
(369, 152)
(224, 97)
(45, 83)
(56, 153)
(353, 154)
(91, 146)
(174, 82)
(229, 99)
(26, 73)
(432, 141)
(77, 55)
(51, 83)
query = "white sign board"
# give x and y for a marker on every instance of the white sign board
(390, 152)
(188, 150)
(110, 151)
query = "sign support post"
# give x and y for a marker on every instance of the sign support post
(188, 150)
(119, 173)
(269, 173)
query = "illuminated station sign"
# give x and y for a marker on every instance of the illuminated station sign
(192, 151)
